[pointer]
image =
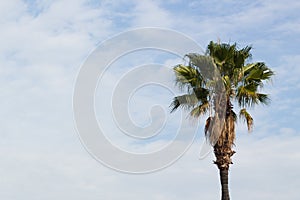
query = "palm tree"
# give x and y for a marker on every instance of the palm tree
(214, 82)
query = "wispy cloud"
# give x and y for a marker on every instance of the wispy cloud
(45, 42)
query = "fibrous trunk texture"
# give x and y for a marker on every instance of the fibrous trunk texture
(223, 160)
(223, 150)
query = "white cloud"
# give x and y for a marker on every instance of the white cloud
(43, 45)
(150, 13)
(258, 164)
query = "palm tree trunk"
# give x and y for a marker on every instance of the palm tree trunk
(224, 184)
(223, 150)
(223, 160)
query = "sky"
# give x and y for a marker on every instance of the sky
(44, 44)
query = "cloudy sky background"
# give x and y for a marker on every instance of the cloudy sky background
(43, 45)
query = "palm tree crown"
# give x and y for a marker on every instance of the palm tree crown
(213, 82)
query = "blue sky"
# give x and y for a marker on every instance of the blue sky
(45, 42)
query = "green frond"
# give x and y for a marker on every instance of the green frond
(186, 101)
(187, 76)
(257, 72)
(263, 98)
(223, 70)
(237, 76)
(201, 93)
(254, 76)
(230, 60)
(200, 110)
(246, 52)
(227, 84)
(247, 118)
(248, 96)
(221, 52)
(248, 67)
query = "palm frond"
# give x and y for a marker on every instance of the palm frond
(263, 98)
(201, 93)
(248, 67)
(248, 96)
(227, 84)
(230, 61)
(204, 64)
(200, 110)
(257, 72)
(247, 118)
(186, 101)
(187, 76)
